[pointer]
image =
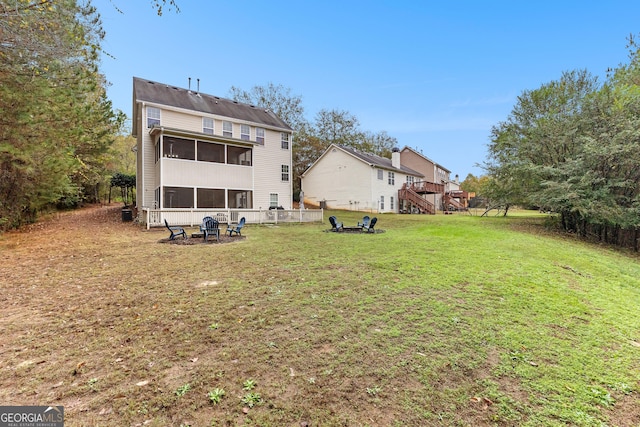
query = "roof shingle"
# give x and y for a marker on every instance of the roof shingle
(163, 94)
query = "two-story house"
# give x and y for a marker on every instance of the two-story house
(344, 178)
(198, 151)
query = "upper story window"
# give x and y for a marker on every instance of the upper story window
(409, 179)
(392, 178)
(284, 140)
(245, 132)
(227, 129)
(260, 136)
(380, 174)
(153, 116)
(207, 125)
(285, 172)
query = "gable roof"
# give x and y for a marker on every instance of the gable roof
(425, 157)
(163, 94)
(368, 158)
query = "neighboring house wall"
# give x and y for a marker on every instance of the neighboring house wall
(251, 172)
(432, 171)
(344, 181)
(326, 182)
(419, 163)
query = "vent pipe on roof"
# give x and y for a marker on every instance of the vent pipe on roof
(189, 84)
(198, 90)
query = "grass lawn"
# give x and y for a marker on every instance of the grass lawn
(448, 320)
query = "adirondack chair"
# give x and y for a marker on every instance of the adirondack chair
(369, 228)
(335, 225)
(365, 221)
(210, 227)
(175, 231)
(237, 228)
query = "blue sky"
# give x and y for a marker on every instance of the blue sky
(436, 75)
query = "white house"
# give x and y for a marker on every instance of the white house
(344, 178)
(198, 151)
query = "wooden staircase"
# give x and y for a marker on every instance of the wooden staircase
(409, 194)
(451, 199)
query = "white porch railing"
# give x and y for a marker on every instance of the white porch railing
(193, 217)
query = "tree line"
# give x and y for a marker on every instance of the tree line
(56, 123)
(572, 146)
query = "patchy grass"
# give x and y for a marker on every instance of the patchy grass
(448, 320)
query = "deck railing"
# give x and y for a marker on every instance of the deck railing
(193, 217)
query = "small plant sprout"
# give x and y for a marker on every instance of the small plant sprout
(252, 399)
(248, 385)
(215, 395)
(311, 380)
(92, 383)
(214, 326)
(182, 390)
(373, 391)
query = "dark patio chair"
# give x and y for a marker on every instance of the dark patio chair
(175, 231)
(365, 221)
(210, 227)
(237, 229)
(369, 228)
(335, 225)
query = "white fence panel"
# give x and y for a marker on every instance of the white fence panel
(193, 217)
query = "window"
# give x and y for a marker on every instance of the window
(273, 200)
(240, 199)
(227, 129)
(178, 197)
(207, 125)
(285, 173)
(260, 136)
(381, 203)
(238, 155)
(179, 148)
(410, 179)
(284, 140)
(380, 176)
(209, 152)
(210, 198)
(245, 132)
(153, 116)
(391, 203)
(392, 178)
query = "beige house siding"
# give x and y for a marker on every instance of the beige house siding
(150, 179)
(268, 161)
(418, 163)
